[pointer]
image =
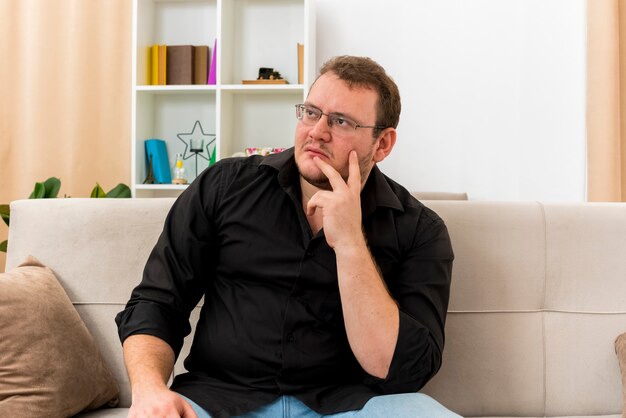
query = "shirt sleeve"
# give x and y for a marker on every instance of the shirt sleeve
(178, 269)
(421, 287)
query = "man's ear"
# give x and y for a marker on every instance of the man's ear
(386, 141)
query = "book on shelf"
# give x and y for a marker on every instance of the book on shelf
(201, 64)
(156, 151)
(158, 62)
(213, 68)
(154, 65)
(162, 64)
(180, 64)
(300, 63)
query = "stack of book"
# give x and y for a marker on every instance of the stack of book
(181, 64)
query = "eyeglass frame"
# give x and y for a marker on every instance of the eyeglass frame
(331, 117)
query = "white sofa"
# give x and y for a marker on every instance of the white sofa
(538, 295)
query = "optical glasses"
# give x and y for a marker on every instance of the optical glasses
(310, 115)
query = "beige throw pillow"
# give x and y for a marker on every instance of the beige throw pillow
(49, 363)
(620, 349)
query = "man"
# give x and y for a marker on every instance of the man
(325, 283)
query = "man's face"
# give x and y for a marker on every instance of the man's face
(332, 95)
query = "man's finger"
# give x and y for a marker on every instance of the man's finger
(354, 172)
(331, 174)
(311, 206)
(315, 202)
(188, 411)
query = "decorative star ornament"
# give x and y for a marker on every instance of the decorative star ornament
(186, 138)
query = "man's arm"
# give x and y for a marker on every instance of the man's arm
(149, 362)
(178, 271)
(371, 316)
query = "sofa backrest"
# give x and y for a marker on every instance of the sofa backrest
(538, 294)
(440, 196)
(538, 297)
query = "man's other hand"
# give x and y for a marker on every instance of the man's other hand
(160, 404)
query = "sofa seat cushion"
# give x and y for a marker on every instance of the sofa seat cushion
(49, 363)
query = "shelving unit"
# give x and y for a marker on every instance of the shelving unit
(250, 34)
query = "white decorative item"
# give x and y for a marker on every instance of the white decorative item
(180, 174)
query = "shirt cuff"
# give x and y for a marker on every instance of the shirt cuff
(415, 360)
(151, 319)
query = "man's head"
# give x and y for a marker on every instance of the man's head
(364, 72)
(352, 105)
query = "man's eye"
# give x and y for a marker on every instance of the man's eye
(310, 113)
(341, 122)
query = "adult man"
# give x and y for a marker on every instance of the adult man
(326, 284)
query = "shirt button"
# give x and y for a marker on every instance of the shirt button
(309, 254)
(291, 338)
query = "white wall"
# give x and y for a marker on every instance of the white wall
(493, 91)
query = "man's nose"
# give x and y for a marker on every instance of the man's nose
(321, 129)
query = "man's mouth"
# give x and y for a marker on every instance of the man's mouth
(316, 152)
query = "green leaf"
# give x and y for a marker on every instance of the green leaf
(39, 192)
(119, 191)
(5, 213)
(3, 246)
(212, 160)
(52, 186)
(98, 192)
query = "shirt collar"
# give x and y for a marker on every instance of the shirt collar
(285, 163)
(376, 193)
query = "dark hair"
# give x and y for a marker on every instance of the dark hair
(365, 72)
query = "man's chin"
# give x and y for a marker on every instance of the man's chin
(313, 175)
(319, 182)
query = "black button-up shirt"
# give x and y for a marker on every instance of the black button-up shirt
(272, 322)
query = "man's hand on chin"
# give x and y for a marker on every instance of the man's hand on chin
(341, 207)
